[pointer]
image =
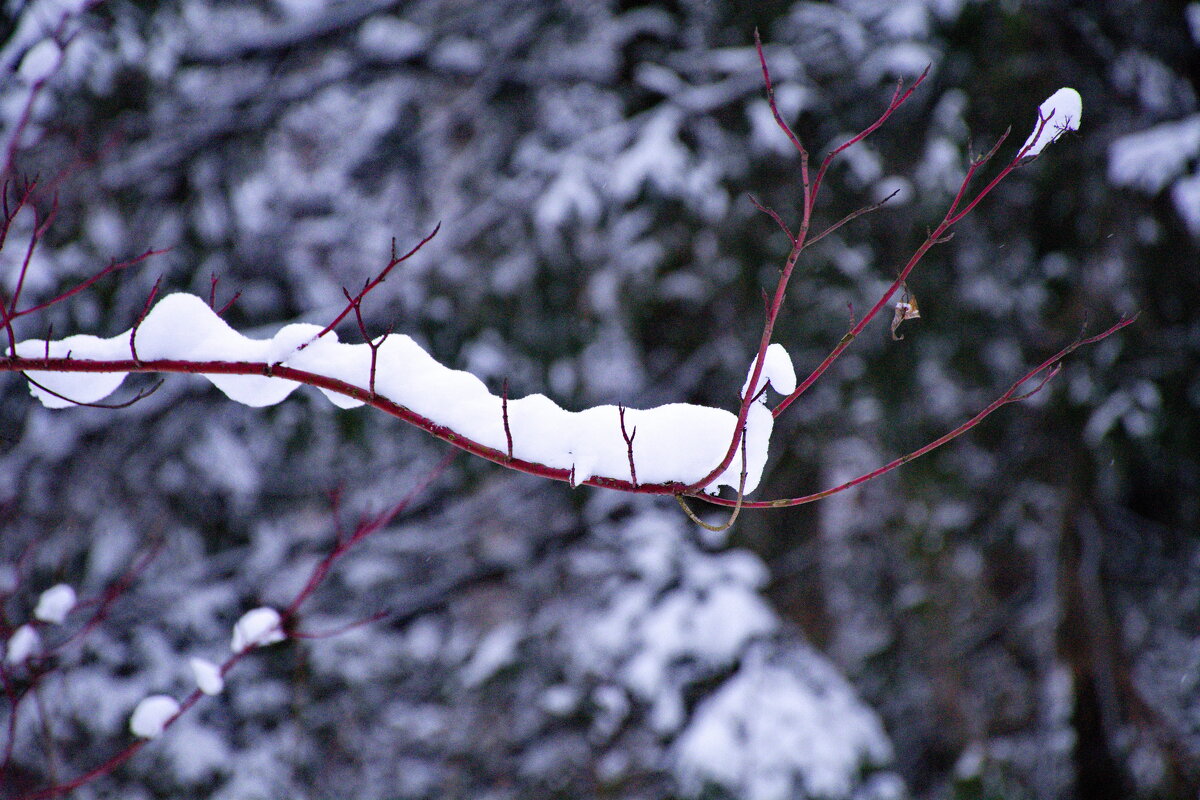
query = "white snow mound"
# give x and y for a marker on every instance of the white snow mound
(1063, 111)
(672, 443)
(150, 717)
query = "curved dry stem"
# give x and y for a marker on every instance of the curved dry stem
(737, 509)
(1050, 367)
(141, 395)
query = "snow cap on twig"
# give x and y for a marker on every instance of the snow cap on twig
(208, 675)
(777, 370)
(257, 628)
(22, 645)
(1061, 112)
(54, 604)
(151, 715)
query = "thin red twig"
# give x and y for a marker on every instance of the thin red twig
(364, 529)
(628, 437)
(371, 284)
(1050, 367)
(141, 395)
(141, 318)
(504, 417)
(899, 97)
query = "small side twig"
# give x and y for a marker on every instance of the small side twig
(853, 215)
(373, 345)
(141, 395)
(628, 437)
(738, 505)
(133, 332)
(373, 283)
(212, 297)
(504, 415)
(773, 214)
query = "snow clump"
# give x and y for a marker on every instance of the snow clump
(257, 628)
(1062, 112)
(151, 715)
(207, 675)
(54, 604)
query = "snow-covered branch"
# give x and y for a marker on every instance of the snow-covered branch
(680, 448)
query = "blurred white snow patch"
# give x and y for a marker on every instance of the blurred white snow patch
(1151, 159)
(389, 39)
(1186, 196)
(900, 60)
(898, 188)
(22, 645)
(940, 168)
(771, 733)
(40, 62)
(10, 579)
(1062, 112)
(226, 461)
(777, 370)
(196, 752)
(656, 155)
(54, 604)
(1162, 156)
(611, 707)
(458, 54)
(570, 196)
(207, 675)
(970, 762)
(302, 8)
(150, 716)
(257, 628)
(496, 650)
(560, 700)
(1135, 408)
(907, 20)
(658, 639)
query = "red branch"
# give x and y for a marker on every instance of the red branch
(1047, 370)
(961, 205)
(811, 187)
(469, 445)
(141, 318)
(362, 394)
(342, 544)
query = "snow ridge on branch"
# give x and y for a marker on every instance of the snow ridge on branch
(676, 443)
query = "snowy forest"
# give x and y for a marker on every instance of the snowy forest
(587, 205)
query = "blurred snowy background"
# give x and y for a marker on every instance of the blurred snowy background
(1016, 615)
